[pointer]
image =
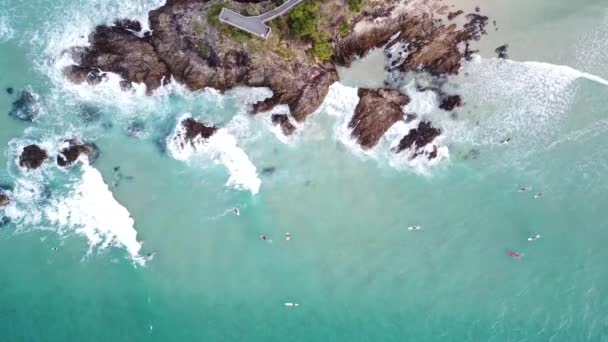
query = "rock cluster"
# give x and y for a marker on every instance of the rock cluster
(73, 149)
(375, 113)
(418, 138)
(32, 157)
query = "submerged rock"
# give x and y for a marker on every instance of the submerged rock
(418, 138)
(283, 120)
(89, 113)
(25, 107)
(375, 113)
(449, 102)
(73, 149)
(502, 51)
(32, 157)
(136, 128)
(10, 90)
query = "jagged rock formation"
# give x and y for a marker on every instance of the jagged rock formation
(73, 149)
(375, 113)
(417, 139)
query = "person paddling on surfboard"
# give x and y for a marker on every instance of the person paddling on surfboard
(514, 255)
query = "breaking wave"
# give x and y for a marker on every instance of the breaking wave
(222, 147)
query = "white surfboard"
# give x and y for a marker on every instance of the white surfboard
(414, 228)
(292, 304)
(532, 238)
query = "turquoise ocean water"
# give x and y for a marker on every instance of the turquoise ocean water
(352, 265)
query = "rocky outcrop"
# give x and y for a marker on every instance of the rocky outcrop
(192, 131)
(117, 49)
(32, 157)
(189, 44)
(417, 139)
(283, 120)
(25, 107)
(375, 113)
(73, 149)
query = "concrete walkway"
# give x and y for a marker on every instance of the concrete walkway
(256, 24)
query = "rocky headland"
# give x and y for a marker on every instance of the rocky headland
(188, 43)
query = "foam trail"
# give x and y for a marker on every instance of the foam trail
(93, 210)
(6, 31)
(567, 71)
(222, 147)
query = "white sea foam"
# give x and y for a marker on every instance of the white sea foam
(6, 31)
(341, 102)
(222, 147)
(91, 209)
(84, 206)
(524, 99)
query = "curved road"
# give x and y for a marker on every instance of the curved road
(256, 24)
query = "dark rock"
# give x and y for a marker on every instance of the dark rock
(80, 74)
(409, 117)
(375, 113)
(118, 50)
(268, 170)
(192, 130)
(4, 199)
(477, 9)
(74, 149)
(32, 157)
(453, 15)
(25, 107)
(449, 102)
(128, 24)
(502, 51)
(418, 138)
(283, 120)
(10, 90)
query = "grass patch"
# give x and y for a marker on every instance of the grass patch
(304, 23)
(355, 5)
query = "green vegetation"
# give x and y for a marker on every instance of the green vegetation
(344, 27)
(213, 18)
(354, 5)
(304, 22)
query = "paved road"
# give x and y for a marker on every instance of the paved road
(256, 24)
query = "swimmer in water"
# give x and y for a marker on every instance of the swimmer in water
(535, 237)
(414, 228)
(237, 212)
(538, 195)
(287, 236)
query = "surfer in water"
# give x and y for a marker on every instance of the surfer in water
(538, 195)
(535, 237)
(264, 237)
(514, 255)
(414, 228)
(524, 189)
(505, 141)
(237, 212)
(287, 236)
